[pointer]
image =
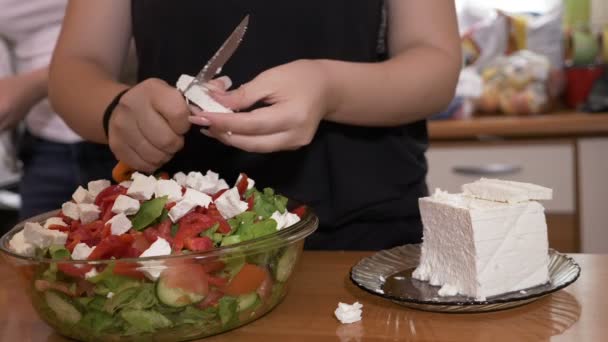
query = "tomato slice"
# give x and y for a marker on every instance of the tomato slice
(128, 270)
(300, 211)
(265, 289)
(73, 270)
(198, 244)
(59, 228)
(109, 191)
(249, 279)
(140, 242)
(191, 226)
(250, 203)
(212, 212)
(213, 266)
(164, 230)
(212, 299)
(188, 277)
(242, 184)
(217, 281)
(113, 246)
(218, 194)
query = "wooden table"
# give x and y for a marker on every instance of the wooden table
(578, 313)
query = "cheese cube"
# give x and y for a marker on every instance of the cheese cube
(142, 188)
(506, 191)
(285, 220)
(70, 209)
(180, 210)
(81, 195)
(92, 273)
(347, 314)
(41, 237)
(208, 184)
(88, 212)
(229, 204)
(197, 198)
(54, 221)
(180, 178)
(97, 186)
(125, 205)
(153, 269)
(126, 184)
(20, 246)
(82, 251)
(169, 188)
(119, 224)
(250, 182)
(198, 94)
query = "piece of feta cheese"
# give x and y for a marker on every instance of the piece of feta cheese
(180, 178)
(20, 246)
(142, 188)
(126, 184)
(153, 269)
(81, 195)
(208, 184)
(41, 237)
(88, 212)
(92, 273)
(97, 186)
(229, 204)
(54, 221)
(506, 191)
(198, 198)
(285, 219)
(119, 224)
(347, 314)
(169, 188)
(180, 210)
(82, 251)
(70, 209)
(198, 94)
(250, 182)
(110, 295)
(125, 205)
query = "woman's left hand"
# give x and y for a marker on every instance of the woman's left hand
(297, 96)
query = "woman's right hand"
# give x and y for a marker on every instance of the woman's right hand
(148, 125)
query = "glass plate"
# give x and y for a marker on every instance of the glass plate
(388, 274)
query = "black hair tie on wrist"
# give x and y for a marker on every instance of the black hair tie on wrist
(110, 109)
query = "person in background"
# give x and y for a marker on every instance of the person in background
(55, 159)
(343, 123)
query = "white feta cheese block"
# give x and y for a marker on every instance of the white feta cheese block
(126, 184)
(180, 178)
(41, 237)
(18, 245)
(480, 248)
(119, 224)
(153, 269)
(229, 204)
(143, 187)
(82, 251)
(110, 295)
(208, 184)
(198, 94)
(506, 191)
(88, 212)
(70, 209)
(92, 273)
(81, 195)
(285, 219)
(250, 182)
(180, 210)
(198, 198)
(347, 314)
(54, 221)
(169, 188)
(125, 205)
(97, 186)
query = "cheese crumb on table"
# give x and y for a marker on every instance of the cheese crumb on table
(347, 314)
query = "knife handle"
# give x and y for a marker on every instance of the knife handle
(122, 172)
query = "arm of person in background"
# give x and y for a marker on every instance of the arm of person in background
(417, 81)
(19, 93)
(148, 124)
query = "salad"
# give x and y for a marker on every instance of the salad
(109, 295)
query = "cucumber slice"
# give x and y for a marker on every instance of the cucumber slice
(286, 263)
(175, 297)
(63, 306)
(247, 301)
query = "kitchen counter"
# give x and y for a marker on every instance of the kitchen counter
(558, 124)
(577, 313)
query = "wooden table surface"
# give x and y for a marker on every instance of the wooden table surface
(558, 124)
(578, 313)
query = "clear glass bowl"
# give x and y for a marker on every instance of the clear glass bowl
(121, 304)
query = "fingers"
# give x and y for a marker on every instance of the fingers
(170, 103)
(246, 95)
(263, 121)
(220, 84)
(262, 143)
(168, 141)
(133, 159)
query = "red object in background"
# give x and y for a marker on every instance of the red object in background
(579, 81)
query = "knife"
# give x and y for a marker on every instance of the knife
(122, 171)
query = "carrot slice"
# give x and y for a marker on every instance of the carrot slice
(122, 172)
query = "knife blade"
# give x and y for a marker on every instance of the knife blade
(221, 56)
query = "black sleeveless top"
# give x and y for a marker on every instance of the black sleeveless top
(363, 183)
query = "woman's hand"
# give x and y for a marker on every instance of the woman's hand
(147, 127)
(297, 96)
